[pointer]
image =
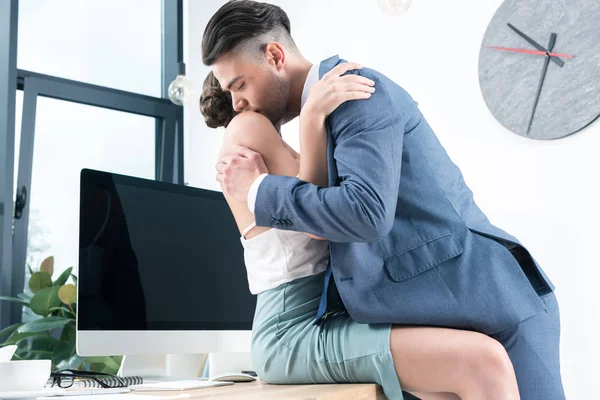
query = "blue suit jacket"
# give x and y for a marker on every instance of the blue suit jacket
(408, 243)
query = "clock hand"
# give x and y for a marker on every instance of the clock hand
(536, 52)
(535, 44)
(544, 69)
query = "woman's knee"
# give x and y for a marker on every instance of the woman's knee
(488, 366)
(493, 358)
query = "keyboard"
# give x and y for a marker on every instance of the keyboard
(178, 385)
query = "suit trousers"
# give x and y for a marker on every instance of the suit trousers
(533, 344)
(533, 347)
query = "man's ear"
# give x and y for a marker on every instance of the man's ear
(275, 55)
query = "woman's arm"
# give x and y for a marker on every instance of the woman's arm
(325, 96)
(313, 147)
(257, 133)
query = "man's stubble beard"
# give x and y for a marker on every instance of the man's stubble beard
(279, 92)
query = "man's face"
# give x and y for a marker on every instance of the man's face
(255, 85)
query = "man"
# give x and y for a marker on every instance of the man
(408, 243)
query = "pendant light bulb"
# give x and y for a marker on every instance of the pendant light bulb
(394, 7)
(181, 88)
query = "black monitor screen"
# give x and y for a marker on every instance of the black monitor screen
(158, 256)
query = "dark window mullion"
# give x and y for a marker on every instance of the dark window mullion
(172, 55)
(179, 170)
(99, 96)
(159, 129)
(30, 95)
(8, 87)
(167, 150)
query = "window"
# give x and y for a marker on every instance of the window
(69, 137)
(90, 79)
(111, 43)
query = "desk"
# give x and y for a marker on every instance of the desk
(263, 391)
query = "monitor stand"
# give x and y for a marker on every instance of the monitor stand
(229, 363)
(163, 367)
(184, 366)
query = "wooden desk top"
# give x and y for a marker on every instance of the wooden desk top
(263, 391)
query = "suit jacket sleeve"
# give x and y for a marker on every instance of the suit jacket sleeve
(368, 136)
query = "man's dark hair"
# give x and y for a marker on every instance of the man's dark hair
(240, 20)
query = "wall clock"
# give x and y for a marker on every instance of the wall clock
(539, 66)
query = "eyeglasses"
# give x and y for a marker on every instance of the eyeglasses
(65, 378)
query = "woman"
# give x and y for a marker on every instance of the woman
(285, 271)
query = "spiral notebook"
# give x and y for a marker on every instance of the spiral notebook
(84, 382)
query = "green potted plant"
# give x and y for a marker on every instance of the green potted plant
(52, 335)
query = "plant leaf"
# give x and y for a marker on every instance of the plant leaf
(95, 366)
(114, 365)
(39, 280)
(74, 278)
(38, 347)
(66, 313)
(43, 324)
(14, 300)
(48, 265)
(68, 333)
(104, 363)
(67, 293)
(44, 300)
(69, 313)
(63, 277)
(9, 330)
(16, 336)
(107, 370)
(117, 360)
(75, 362)
(62, 352)
(111, 363)
(25, 296)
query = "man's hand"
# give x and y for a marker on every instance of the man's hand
(238, 171)
(334, 89)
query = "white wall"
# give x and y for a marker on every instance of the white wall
(545, 193)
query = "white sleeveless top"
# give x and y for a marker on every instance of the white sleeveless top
(275, 257)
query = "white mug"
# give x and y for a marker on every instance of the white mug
(6, 352)
(24, 375)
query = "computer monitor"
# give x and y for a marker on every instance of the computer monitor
(161, 270)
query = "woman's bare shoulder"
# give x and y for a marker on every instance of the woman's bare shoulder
(249, 117)
(252, 130)
(257, 133)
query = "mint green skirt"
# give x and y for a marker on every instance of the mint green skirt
(288, 348)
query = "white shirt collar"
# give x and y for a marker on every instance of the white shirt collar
(311, 79)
